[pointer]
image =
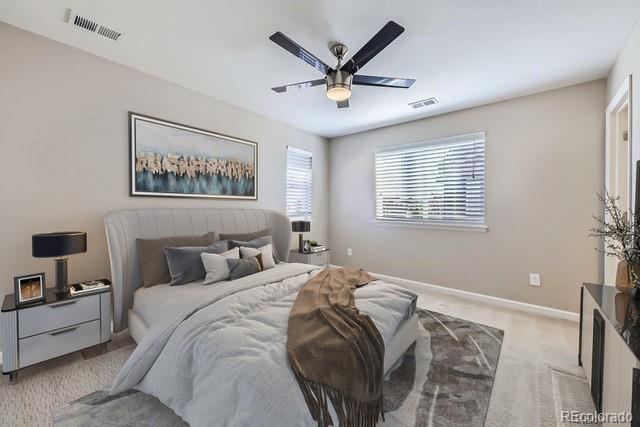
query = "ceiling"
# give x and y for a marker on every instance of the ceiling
(463, 52)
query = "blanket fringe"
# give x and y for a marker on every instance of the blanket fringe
(350, 412)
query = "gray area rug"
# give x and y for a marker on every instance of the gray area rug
(445, 379)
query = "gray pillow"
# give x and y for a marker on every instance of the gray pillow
(256, 243)
(153, 263)
(185, 264)
(242, 267)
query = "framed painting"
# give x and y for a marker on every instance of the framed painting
(173, 160)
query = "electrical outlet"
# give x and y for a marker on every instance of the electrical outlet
(349, 252)
(534, 279)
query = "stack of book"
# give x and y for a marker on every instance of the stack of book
(318, 248)
(86, 287)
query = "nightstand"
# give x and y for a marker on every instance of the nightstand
(314, 258)
(33, 334)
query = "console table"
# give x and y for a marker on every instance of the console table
(609, 348)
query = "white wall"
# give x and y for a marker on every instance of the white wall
(544, 162)
(64, 145)
(628, 63)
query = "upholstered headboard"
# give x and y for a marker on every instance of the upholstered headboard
(125, 226)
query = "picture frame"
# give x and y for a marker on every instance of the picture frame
(169, 159)
(29, 289)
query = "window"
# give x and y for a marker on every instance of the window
(298, 183)
(438, 182)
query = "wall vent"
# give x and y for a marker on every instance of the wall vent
(423, 103)
(91, 25)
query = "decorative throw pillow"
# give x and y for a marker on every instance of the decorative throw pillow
(185, 264)
(266, 253)
(256, 243)
(153, 263)
(242, 267)
(216, 267)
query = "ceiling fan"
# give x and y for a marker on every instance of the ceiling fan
(340, 79)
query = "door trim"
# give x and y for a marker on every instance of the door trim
(622, 97)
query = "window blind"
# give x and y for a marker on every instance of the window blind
(433, 182)
(299, 183)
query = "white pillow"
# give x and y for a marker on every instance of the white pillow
(215, 265)
(266, 251)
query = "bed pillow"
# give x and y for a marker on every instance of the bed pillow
(266, 253)
(185, 264)
(216, 267)
(153, 263)
(256, 243)
(246, 236)
(242, 267)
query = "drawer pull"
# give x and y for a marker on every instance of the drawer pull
(62, 304)
(63, 331)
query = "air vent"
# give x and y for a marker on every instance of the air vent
(91, 25)
(423, 103)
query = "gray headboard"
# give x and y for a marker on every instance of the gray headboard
(125, 226)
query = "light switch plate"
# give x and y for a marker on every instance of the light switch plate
(349, 252)
(534, 279)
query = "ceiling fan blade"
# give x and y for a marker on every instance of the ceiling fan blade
(297, 50)
(362, 80)
(379, 41)
(301, 85)
(343, 104)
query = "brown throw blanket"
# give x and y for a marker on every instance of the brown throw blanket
(336, 353)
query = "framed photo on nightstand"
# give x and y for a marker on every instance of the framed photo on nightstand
(29, 289)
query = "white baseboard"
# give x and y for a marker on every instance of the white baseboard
(502, 302)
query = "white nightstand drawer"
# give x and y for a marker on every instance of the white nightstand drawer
(44, 318)
(318, 259)
(56, 343)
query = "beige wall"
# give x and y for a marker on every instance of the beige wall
(64, 147)
(544, 160)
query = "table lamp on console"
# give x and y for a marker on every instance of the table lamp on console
(58, 245)
(300, 227)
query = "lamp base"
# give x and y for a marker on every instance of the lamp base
(61, 277)
(300, 243)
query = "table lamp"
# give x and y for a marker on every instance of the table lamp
(57, 245)
(300, 227)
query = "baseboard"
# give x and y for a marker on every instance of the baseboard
(502, 302)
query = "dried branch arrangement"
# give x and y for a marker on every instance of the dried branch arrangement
(620, 231)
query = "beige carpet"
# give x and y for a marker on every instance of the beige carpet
(523, 392)
(41, 388)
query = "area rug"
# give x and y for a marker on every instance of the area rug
(444, 379)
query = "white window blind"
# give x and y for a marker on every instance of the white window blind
(435, 182)
(299, 182)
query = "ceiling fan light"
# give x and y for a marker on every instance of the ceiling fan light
(339, 85)
(338, 92)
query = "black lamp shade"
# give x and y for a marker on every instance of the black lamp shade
(300, 226)
(51, 245)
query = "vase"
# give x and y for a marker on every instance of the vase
(624, 278)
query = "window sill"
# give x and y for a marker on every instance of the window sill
(433, 226)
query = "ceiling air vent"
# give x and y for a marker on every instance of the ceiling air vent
(91, 25)
(423, 103)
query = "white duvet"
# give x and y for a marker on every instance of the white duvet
(220, 359)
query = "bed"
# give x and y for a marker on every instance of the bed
(208, 331)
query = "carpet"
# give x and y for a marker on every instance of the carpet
(444, 379)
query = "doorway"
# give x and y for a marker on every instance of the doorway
(619, 171)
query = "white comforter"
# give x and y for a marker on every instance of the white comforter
(221, 359)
